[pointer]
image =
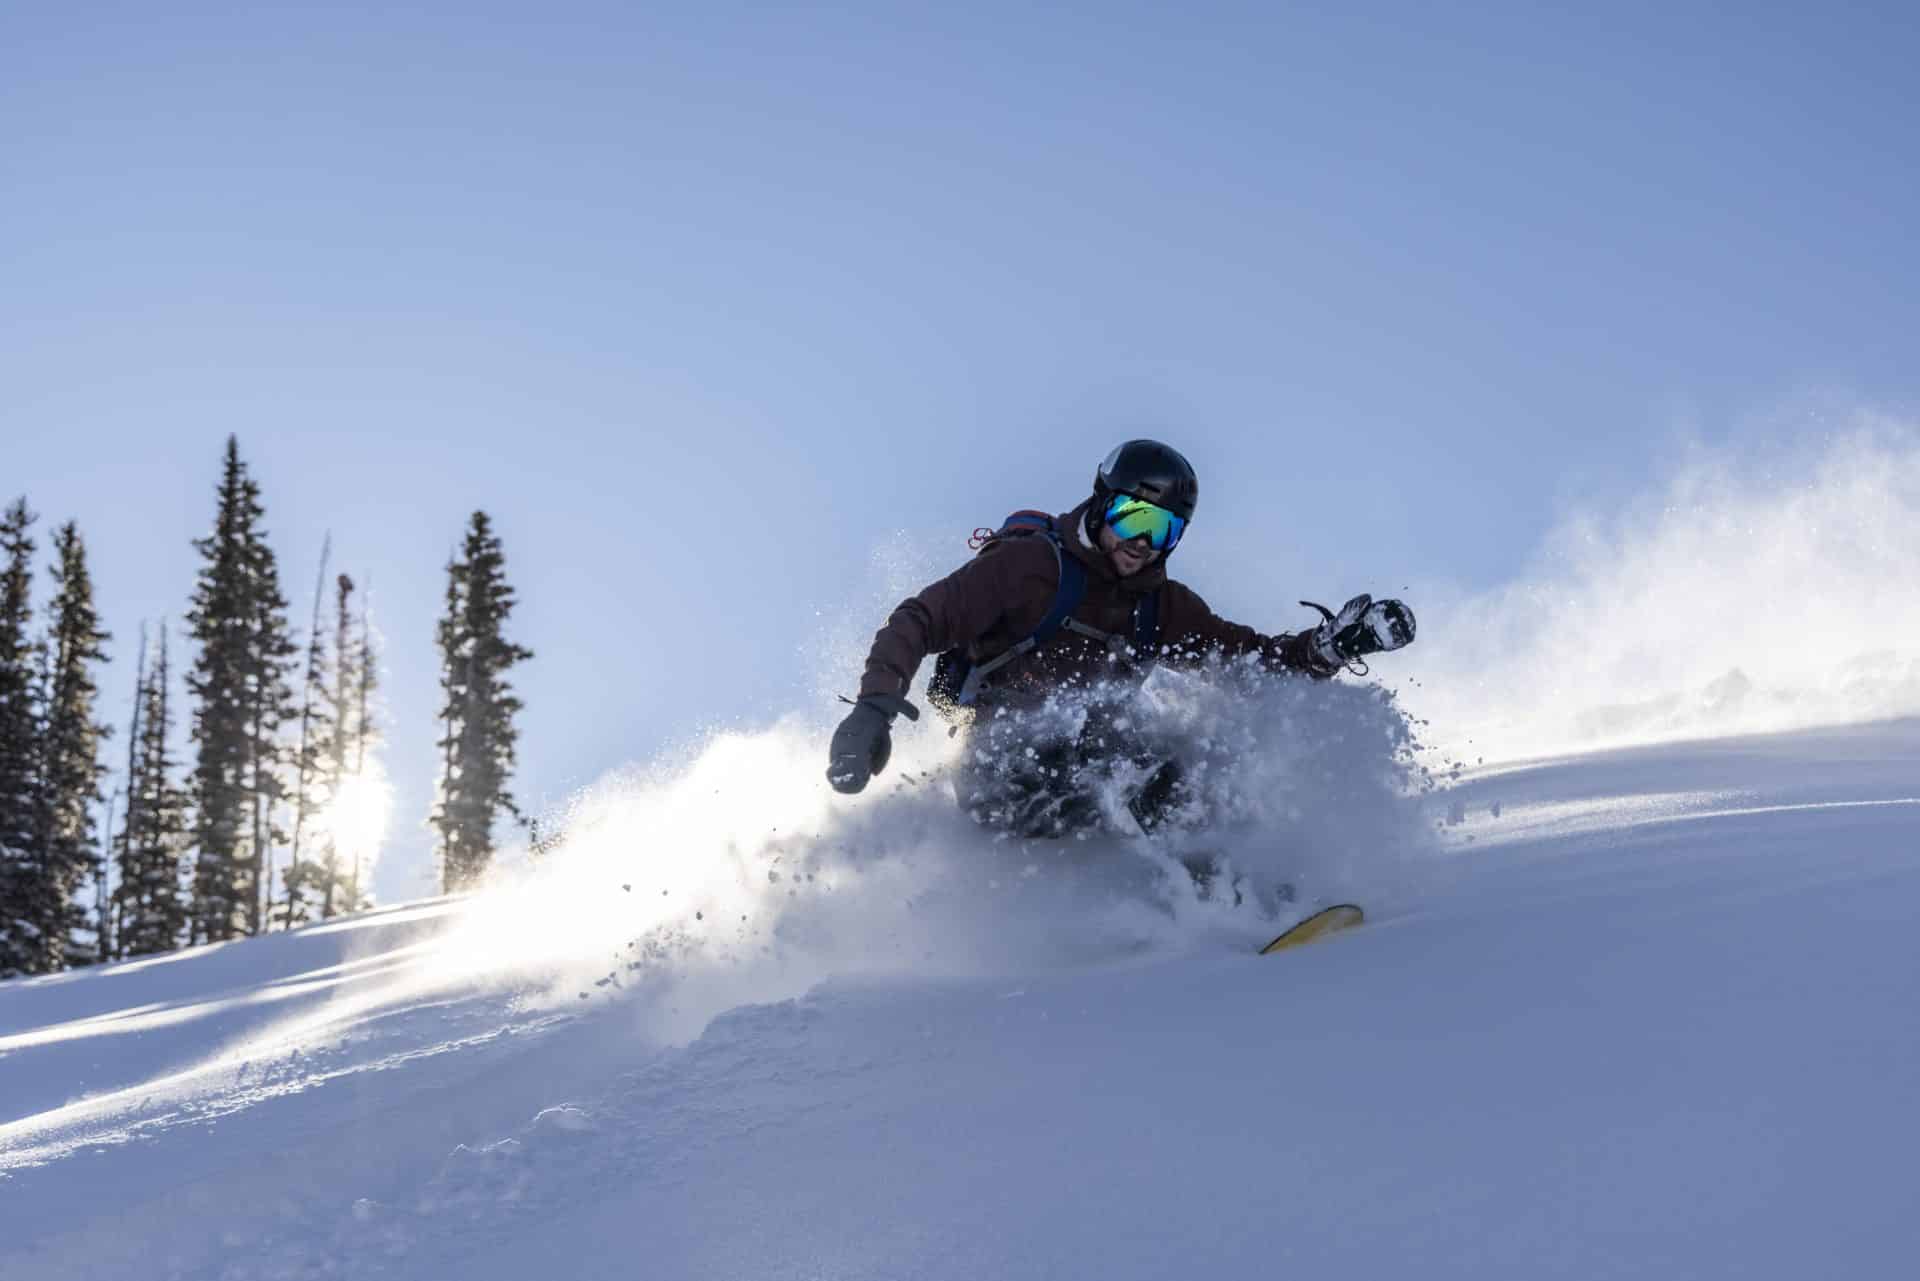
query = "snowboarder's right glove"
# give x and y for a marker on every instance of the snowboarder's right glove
(1363, 626)
(864, 741)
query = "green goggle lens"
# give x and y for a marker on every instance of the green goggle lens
(1130, 518)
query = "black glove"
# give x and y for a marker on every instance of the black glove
(864, 741)
(1363, 626)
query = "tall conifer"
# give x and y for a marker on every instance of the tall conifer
(356, 750)
(453, 682)
(149, 900)
(344, 762)
(307, 880)
(239, 682)
(70, 768)
(479, 746)
(19, 741)
(341, 706)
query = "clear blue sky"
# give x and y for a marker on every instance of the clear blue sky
(707, 302)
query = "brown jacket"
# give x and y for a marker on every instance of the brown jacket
(1000, 596)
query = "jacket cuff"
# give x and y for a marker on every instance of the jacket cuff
(892, 704)
(1297, 651)
(882, 685)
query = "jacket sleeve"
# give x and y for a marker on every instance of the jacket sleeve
(1004, 579)
(1191, 632)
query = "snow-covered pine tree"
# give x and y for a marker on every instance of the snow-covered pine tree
(149, 901)
(479, 747)
(70, 768)
(239, 682)
(19, 740)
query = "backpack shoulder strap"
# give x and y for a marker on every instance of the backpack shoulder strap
(1028, 521)
(1067, 596)
(1072, 589)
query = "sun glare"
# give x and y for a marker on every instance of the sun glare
(357, 817)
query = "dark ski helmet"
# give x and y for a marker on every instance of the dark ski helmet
(1150, 470)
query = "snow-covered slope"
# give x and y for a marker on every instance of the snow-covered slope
(1653, 1016)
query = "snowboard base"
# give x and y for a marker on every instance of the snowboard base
(1328, 920)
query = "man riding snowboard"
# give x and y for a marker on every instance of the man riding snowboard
(1056, 601)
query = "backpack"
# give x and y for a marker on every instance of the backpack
(957, 680)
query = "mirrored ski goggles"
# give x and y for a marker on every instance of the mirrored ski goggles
(1130, 518)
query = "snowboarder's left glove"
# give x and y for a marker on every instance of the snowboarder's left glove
(1363, 626)
(864, 741)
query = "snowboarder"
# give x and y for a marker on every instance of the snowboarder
(1078, 599)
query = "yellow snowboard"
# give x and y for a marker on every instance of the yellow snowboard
(1328, 920)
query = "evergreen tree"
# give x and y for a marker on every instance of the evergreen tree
(336, 774)
(109, 929)
(70, 768)
(239, 682)
(149, 901)
(341, 709)
(478, 748)
(447, 634)
(19, 742)
(348, 714)
(272, 707)
(314, 784)
(356, 750)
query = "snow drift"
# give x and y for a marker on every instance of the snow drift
(1617, 1013)
(1650, 1017)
